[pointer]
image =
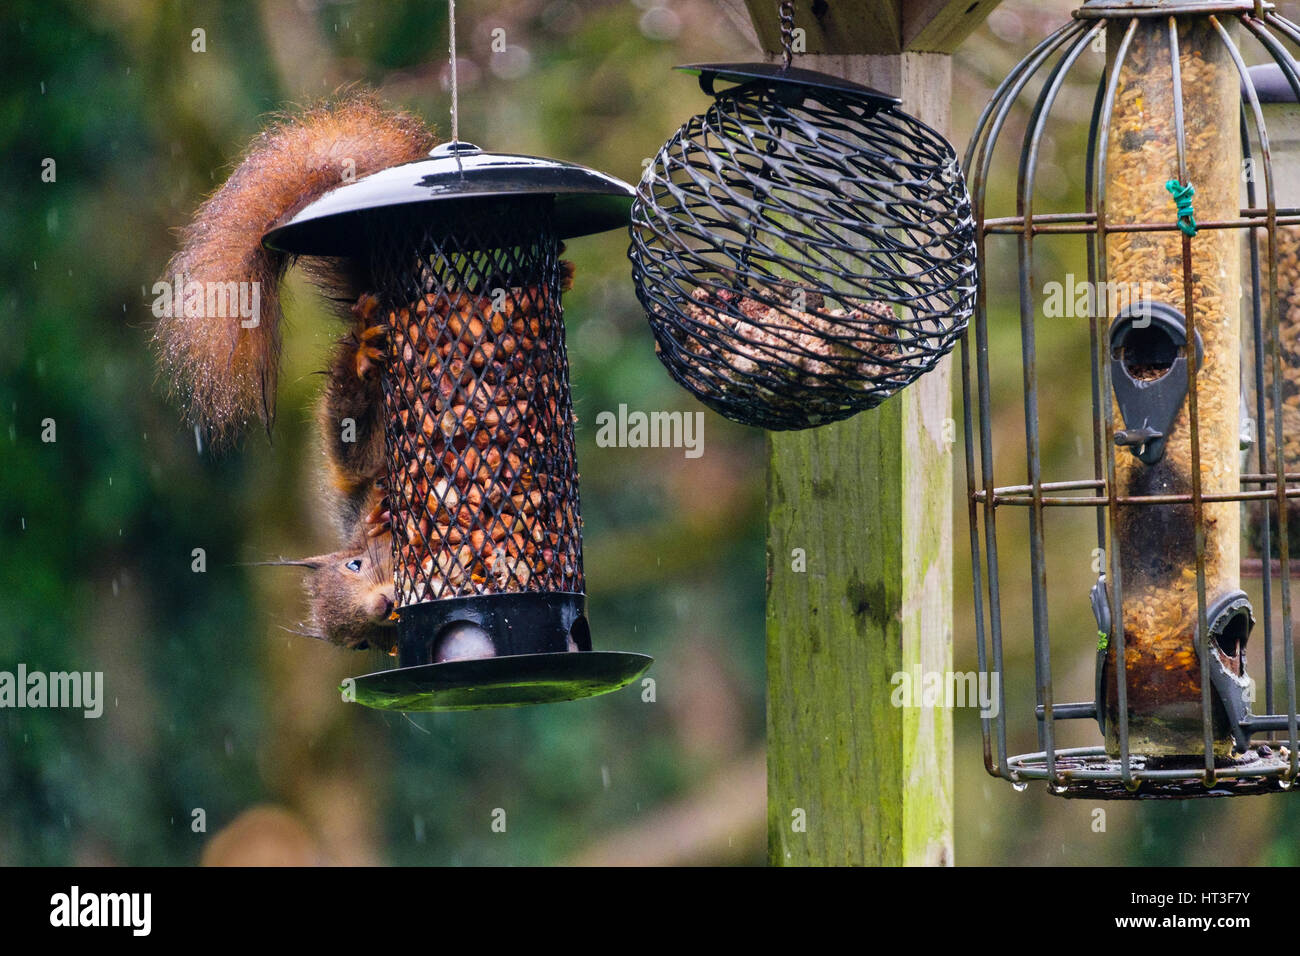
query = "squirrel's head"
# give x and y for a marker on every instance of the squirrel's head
(351, 596)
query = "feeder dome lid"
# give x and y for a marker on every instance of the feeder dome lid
(792, 77)
(1105, 9)
(586, 201)
(1271, 83)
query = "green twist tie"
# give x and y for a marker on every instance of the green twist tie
(1103, 640)
(1183, 197)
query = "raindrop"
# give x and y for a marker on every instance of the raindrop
(1019, 786)
(604, 777)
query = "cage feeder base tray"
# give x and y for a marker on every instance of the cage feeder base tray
(1092, 774)
(512, 681)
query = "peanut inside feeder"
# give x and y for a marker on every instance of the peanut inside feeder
(482, 478)
(462, 253)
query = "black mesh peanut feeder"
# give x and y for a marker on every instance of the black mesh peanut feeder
(462, 251)
(803, 248)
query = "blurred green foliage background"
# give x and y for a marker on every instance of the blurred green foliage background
(212, 705)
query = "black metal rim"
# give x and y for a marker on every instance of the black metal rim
(514, 681)
(777, 75)
(1088, 772)
(518, 623)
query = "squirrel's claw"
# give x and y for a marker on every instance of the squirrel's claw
(379, 519)
(366, 306)
(369, 359)
(371, 336)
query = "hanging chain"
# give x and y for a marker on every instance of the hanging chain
(455, 93)
(786, 13)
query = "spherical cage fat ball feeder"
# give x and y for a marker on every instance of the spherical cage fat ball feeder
(803, 248)
(462, 252)
(1183, 307)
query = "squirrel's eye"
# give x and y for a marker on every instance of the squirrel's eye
(353, 565)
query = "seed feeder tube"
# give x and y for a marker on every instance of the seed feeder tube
(462, 252)
(1175, 92)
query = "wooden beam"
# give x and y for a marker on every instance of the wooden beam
(940, 26)
(834, 26)
(857, 27)
(852, 779)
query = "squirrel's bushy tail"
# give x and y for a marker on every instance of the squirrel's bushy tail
(224, 369)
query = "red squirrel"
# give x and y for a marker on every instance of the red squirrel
(223, 368)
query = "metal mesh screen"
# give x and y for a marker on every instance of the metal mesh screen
(802, 253)
(482, 480)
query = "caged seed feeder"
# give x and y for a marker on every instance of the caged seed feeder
(1182, 259)
(462, 251)
(803, 249)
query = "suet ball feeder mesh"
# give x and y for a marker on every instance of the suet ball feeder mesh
(803, 249)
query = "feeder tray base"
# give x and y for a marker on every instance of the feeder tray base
(511, 681)
(1091, 773)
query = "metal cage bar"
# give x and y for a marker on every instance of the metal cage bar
(979, 156)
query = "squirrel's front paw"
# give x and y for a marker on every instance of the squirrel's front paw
(379, 519)
(372, 337)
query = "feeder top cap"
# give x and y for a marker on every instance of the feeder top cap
(1271, 83)
(793, 77)
(1096, 9)
(586, 201)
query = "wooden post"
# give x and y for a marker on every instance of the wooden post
(867, 503)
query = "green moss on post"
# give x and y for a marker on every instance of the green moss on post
(852, 779)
